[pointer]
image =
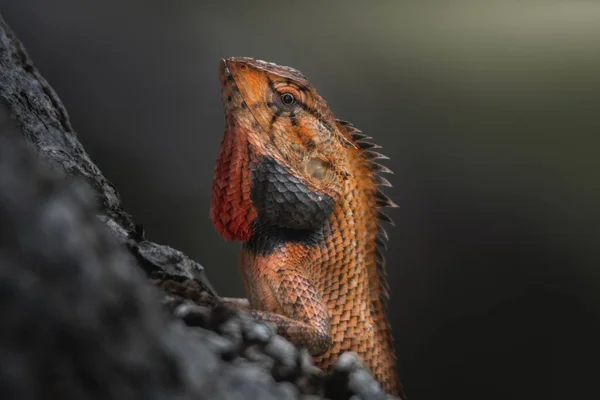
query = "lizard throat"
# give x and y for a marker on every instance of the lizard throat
(231, 210)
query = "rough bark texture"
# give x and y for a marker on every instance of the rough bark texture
(45, 125)
(79, 319)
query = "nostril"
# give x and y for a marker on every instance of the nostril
(243, 67)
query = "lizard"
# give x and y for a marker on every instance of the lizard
(302, 191)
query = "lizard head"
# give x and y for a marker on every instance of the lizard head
(282, 161)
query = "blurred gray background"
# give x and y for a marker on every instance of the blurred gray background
(488, 110)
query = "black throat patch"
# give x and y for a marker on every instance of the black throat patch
(287, 209)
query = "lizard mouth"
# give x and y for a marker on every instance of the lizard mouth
(227, 82)
(231, 95)
(225, 69)
(234, 102)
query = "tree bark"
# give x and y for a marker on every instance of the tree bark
(45, 126)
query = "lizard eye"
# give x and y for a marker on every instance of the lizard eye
(317, 168)
(288, 99)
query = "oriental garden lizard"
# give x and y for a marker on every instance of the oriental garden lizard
(300, 189)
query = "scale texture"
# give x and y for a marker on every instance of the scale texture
(300, 189)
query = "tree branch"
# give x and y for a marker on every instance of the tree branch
(45, 126)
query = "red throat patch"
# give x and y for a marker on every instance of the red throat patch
(231, 210)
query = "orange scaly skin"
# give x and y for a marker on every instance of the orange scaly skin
(300, 189)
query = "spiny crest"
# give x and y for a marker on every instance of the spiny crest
(361, 142)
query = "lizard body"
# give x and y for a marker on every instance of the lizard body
(300, 189)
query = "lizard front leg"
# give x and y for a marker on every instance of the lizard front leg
(280, 292)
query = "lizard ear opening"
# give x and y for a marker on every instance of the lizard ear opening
(317, 168)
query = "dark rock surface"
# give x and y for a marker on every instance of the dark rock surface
(80, 318)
